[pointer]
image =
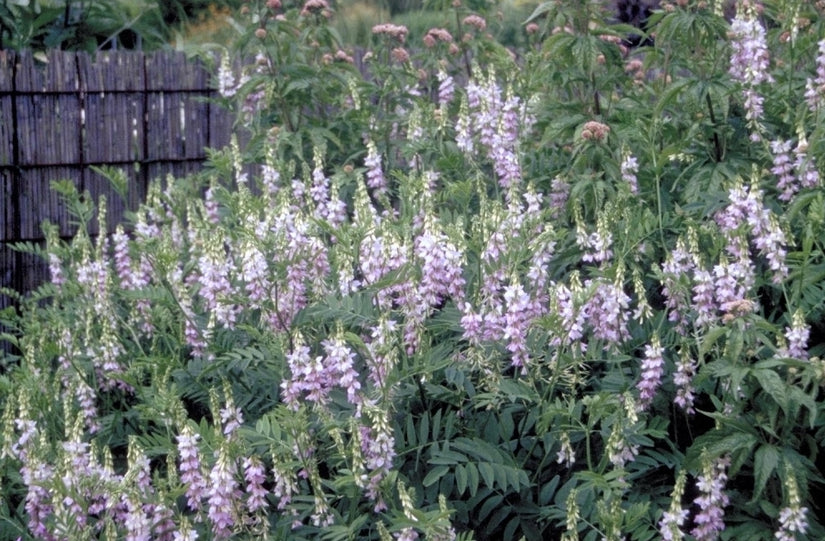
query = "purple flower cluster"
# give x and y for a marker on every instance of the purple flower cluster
(446, 88)
(652, 369)
(749, 62)
(191, 474)
(815, 88)
(711, 500)
(441, 266)
(375, 175)
(676, 269)
(223, 494)
(498, 122)
(378, 449)
(255, 476)
(746, 207)
(313, 377)
(793, 173)
(797, 336)
(607, 311)
(683, 380)
(629, 168)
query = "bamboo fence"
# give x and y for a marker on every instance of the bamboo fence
(147, 113)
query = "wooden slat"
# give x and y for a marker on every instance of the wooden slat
(58, 74)
(195, 126)
(112, 71)
(172, 71)
(221, 124)
(48, 129)
(7, 215)
(39, 202)
(163, 126)
(6, 130)
(114, 128)
(7, 61)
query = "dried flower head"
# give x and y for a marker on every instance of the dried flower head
(394, 31)
(595, 131)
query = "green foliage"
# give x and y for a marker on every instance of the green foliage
(575, 299)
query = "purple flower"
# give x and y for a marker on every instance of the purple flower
(254, 270)
(378, 449)
(309, 379)
(190, 468)
(222, 493)
(749, 62)
(137, 523)
(783, 168)
(606, 311)
(340, 363)
(629, 168)
(446, 88)
(683, 380)
(797, 336)
(711, 500)
(375, 176)
(815, 88)
(518, 316)
(286, 485)
(255, 476)
(211, 206)
(56, 270)
(231, 419)
(441, 270)
(463, 130)
(675, 269)
(703, 298)
(652, 369)
(805, 165)
(572, 319)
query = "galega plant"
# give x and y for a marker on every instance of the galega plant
(570, 293)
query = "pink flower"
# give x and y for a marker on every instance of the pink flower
(476, 22)
(394, 31)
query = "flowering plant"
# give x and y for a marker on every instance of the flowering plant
(571, 293)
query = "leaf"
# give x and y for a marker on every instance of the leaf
(765, 462)
(434, 475)
(805, 400)
(487, 473)
(424, 429)
(411, 440)
(506, 426)
(489, 505)
(710, 339)
(447, 458)
(540, 10)
(548, 491)
(460, 479)
(772, 384)
(472, 478)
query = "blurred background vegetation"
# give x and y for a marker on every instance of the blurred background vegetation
(90, 25)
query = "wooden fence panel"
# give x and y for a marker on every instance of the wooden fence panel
(149, 114)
